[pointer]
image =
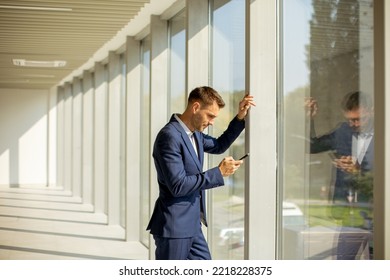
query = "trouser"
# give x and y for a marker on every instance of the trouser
(191, 248)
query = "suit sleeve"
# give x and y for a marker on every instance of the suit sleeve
(222, 143)
(321, 144)
(176, 169)
(325, 142)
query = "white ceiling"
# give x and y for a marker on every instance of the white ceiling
(56, 30)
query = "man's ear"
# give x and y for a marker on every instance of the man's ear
(195, 107)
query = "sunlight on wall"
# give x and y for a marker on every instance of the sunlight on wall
(33, 153)
(23, 145)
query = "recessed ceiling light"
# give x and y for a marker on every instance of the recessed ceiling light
(36, 8)
(36, 63)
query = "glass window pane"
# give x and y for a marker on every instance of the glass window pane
(177, 39)
(326, 140)
(228, 78)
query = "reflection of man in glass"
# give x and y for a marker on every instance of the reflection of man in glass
(351, 147)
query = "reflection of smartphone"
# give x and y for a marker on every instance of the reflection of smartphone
(241, 158)
(334, 155)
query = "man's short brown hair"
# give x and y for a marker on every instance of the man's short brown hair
(205, 96)
(355, 100)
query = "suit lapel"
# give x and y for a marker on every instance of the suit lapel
(188, 143)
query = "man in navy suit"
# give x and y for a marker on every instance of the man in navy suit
(352, 143)
(178, 156)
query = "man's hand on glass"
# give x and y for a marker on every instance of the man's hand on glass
(245, 104)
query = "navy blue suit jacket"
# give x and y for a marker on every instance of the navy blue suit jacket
(340, 141)
(181, 180)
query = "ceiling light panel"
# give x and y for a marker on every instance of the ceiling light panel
(37, 63)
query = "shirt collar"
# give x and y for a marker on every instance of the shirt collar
(186, 129)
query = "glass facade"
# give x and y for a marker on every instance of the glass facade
(326, 141)
(228, 77)
(177, 64)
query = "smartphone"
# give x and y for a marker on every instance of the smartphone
(243, 157)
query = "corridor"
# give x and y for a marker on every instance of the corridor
(40, 223)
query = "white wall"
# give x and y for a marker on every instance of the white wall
(24, 137)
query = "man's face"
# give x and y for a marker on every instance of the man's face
(204, 115)
(358, 118)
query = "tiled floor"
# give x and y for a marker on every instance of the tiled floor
(42, 223)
